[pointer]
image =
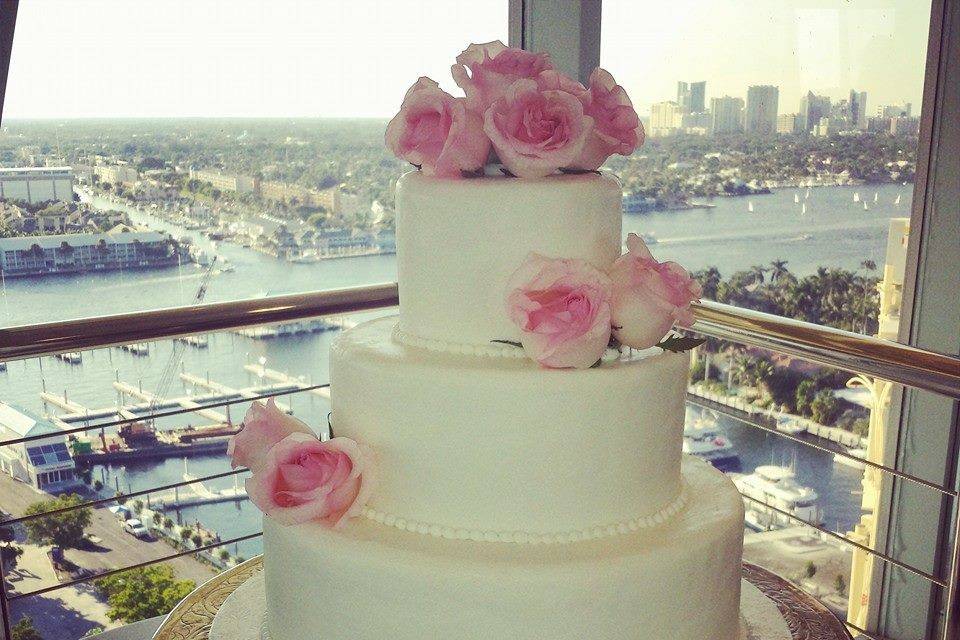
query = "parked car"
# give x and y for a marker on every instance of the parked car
(135, 528)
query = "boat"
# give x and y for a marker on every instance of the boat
(803, 209)
(897, 201)
(859, 452)
(649, 238)
(72, 357)
(199, 342)
(789, 425)
(796, 198)
(807, 194)
(750, 206)
(776, 486)
(856, 196)
(876, 196)
(704, 439)
(136, 348)
(865, 207)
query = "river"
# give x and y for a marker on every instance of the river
(834, 231)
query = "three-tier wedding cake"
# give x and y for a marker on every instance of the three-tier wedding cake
(507, 454)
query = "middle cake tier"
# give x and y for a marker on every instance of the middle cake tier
(500, 448)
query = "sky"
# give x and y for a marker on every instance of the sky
(333, 58)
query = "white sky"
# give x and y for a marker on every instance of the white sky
(355, 58)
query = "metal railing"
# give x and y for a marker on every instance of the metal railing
(912, 367)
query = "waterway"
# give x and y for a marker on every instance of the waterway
(834, 231)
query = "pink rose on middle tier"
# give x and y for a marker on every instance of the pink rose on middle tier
(616, 125)
(303, 479)
(648, 297)
(536, 132)
(437, 132)
(493, 68)
(563, 310)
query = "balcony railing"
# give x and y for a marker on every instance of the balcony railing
(897, 363)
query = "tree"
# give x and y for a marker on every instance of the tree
(142, 593)
(137, 506)
(168, 523)
(157, 518)
(62, 529)
(196, 539)
(840, 584)
(762, 371)
(24, 630)
(224, 555)
(824, 407)
(778, 269)
(805, 393)
(185, 534)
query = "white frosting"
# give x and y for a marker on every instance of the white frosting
(680, 580)
(458, 242)
(503, 445)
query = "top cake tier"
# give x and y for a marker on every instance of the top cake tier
(459, 241)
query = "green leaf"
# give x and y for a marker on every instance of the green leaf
(577, 172)
(472, 174)
(507, 172)
(512, 343)
(679, 344)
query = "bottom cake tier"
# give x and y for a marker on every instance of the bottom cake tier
(679, 579)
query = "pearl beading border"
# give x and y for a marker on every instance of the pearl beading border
(443, 346)
(522, 537)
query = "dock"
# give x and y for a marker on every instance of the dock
(286, 379)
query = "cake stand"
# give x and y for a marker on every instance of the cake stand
(772, 608)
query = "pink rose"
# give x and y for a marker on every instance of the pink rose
(536, 132)
(648, 296)
(563, 310)
(262, 427)
(616, 126)
(493, 68)
(304, 479)
(556, 81)
(437, 132)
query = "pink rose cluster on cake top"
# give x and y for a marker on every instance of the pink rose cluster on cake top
(296, 477)
(569, 312)
(537, 120)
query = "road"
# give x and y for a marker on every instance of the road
(114, 548)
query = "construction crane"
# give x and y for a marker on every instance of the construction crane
(169, 373)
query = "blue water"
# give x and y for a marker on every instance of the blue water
(834, 232)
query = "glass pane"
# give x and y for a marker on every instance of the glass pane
(779, 165)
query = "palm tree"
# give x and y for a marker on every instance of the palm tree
(758, 273)
(869, 265)
(709, 280)
(762, 370)
(743, 368)
(778, 269)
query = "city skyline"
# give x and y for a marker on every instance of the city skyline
(302, 59)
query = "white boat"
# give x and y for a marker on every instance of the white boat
(137, 348)
(876, 195)
(704, 439)
(807, 194)
(777, 487)
(850, 462)
(789, 424)
(897, 201)
(856, 196)
(796, 198)
(865, 207)
(199, 342)
(750, 206)
(72, 357)
(803, 209)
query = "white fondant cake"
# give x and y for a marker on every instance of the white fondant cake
(512, 501)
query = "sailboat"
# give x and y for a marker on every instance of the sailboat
(750, 206)
(807, 195)
(865, 207)
(796, 198)
(856, 196)
(875, 196)
(897, 201)
(803, 209)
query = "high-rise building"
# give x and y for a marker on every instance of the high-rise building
(665, 119)
(692, 96)
(788, 123)
(812, 108)
(895, 110)
(760, 117)
(726, 115)
(857, 109)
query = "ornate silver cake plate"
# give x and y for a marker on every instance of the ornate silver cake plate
(771, 609)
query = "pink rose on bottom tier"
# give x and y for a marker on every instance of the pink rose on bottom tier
(262, 427)
(563, 310)
(303, 479)
(648, 296)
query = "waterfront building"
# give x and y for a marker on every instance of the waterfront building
(866, 570)
(44, 463)
(695, 123)
(812, 109)
(37, 184)
(116, 174)
(788, 123)
(726, 115)
(691, 96)
(226, 181)
(904, 126)
(119, 248)
(857, 110)
(666, 118)
(760, 117)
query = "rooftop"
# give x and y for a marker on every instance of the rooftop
(79, 239)
(24, 423)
